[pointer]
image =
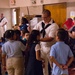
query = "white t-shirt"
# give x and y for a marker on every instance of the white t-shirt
(13, 49)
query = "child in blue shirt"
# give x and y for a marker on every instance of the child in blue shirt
(61, 55)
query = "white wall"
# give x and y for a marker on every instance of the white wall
(57, 1)
(70, 7)
(23, 3)
(4, 4)
(33, 10)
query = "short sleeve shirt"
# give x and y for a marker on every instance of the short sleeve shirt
(13, 49)
(37, 47)
(60, 51)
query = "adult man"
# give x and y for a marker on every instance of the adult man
(3, 23)
(47, 28)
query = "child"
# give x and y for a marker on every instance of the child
(34, 66)
(17, 37)
(25, 35)
(61, 55)
(12, 58)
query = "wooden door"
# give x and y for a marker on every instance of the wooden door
(58, 12)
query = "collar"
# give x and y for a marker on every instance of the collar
(59, 42)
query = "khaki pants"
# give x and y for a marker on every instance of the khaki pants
(45, 56)
(15, 66)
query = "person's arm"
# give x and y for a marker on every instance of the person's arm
(70, 58)
(53, 60)
(3, 59)
(51, 64)
(51, 34)
(53, 56)
(38, 52)
(69, 61)
(48, 39)
(29, 28)
(38, 55)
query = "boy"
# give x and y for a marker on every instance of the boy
(25, 35)
(61, 55)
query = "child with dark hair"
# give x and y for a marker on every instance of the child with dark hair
(61, 55)
(25, 35)
(34, 66)
(12, 58)
(18, 36)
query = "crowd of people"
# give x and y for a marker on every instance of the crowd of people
(44, 50)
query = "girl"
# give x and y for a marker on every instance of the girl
(34, 66)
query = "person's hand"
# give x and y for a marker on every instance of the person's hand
(61, 66)
(65, 67)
